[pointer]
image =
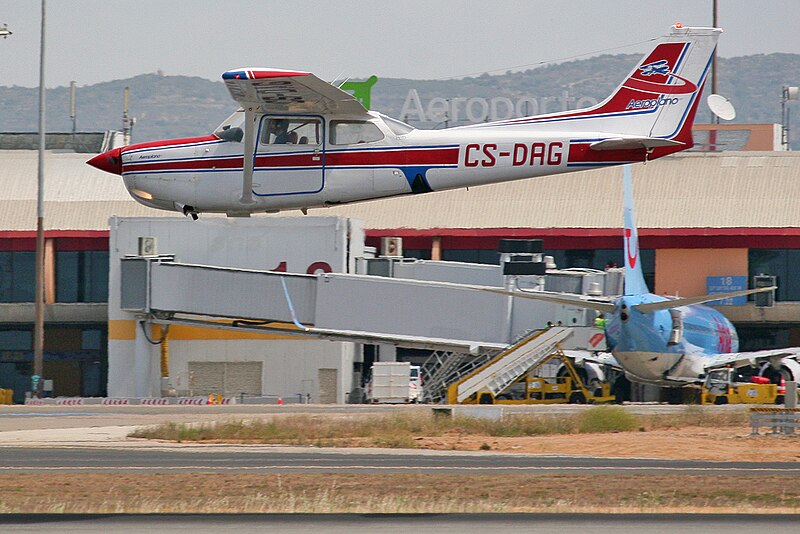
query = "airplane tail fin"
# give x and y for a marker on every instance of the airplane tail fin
(634, 276)
(650, 114)
(659, 97)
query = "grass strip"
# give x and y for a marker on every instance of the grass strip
(403, 430)
(395, 493)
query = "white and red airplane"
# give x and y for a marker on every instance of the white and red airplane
(298, 142)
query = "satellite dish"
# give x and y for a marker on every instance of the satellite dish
(721, 107)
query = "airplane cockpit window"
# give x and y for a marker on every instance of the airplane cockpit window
(354, 132)
(291, 131)
(397, 127)
(231, 128)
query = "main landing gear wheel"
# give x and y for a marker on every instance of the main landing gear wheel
(577, 398)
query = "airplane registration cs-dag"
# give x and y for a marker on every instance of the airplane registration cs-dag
(299, 142)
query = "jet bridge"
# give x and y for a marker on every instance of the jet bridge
(343, 307)
(218, 304)
(456, 319)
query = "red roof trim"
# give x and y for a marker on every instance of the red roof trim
(587, 238)
(578, 232)
(54, 234)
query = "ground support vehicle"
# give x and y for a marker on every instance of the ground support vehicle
(726, 386)
(553, 380)
(394, 383)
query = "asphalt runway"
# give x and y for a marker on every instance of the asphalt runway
(265, 459)
(395, 523)
(94, 439)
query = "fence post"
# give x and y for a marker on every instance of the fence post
(790, 402)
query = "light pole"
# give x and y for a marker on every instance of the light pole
(712, 134)
(38, 326)
(789, 93)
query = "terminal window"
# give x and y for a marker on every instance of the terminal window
(16, 340)
(784, 264)
(82, 276)
(17, 276)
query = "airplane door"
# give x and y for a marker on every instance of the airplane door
(290, 156)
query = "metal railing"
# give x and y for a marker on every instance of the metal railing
(778, 420)
(443, 368)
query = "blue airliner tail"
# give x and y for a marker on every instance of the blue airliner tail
(634, 278)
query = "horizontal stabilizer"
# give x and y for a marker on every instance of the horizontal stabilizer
(632, 143)
(677, 303)
(558, 298)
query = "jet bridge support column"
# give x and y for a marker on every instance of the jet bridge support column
(144, 363)
(519, 257)
(387, 352)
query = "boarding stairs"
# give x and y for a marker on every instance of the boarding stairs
(442, 368)
(503, 370)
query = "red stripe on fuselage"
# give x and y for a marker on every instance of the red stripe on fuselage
(191, 165)
(166, 143)
(437, 156)
(399, 158)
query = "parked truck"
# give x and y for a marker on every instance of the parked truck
(725, 386)
(394, 383)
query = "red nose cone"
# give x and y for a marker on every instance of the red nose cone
(110, 161)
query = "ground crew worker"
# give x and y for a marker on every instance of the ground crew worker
(600, 322)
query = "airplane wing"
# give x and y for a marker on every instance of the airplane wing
(559, 298)
(603, 358)
(281, 91)
(285, 91)
(740, 359)
(677, 303)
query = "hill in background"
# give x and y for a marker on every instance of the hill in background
(177, 106)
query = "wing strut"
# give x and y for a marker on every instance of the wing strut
(249, 155)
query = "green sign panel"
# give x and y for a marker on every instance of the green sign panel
(361, 90)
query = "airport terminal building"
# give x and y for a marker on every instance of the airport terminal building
(705, 218)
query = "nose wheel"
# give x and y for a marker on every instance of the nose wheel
(190, 211)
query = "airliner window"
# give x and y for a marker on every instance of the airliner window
(285, 131)
(354, 132)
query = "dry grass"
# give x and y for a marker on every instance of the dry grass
(403, 430)
(696, 416)
(394, 493)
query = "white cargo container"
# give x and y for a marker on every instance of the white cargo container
(394, 382)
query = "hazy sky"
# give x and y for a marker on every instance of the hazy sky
(91, 41)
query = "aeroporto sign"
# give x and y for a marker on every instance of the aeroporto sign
(471, 110)
(480, 109)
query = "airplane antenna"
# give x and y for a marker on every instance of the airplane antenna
(338, 76)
